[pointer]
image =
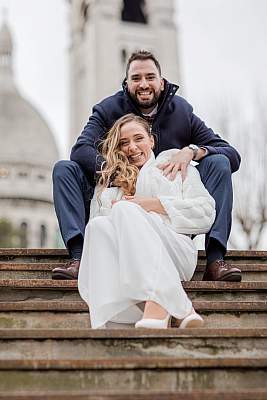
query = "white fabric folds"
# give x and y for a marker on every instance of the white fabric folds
(131, 256)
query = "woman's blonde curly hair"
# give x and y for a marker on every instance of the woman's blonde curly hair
(117, 171)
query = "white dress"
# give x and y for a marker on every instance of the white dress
(131, 256)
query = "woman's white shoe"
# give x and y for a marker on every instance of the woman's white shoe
(193, 320)
(151, 323)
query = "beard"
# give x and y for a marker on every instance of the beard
(145, 104)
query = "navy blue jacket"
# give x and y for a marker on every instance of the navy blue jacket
(174, 126)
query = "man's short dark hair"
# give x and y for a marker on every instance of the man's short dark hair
(142, 55)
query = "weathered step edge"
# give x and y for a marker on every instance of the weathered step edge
(80, 306)
(48, 266)
(64, 253)
(170, 333)
(190, 285)
(133, 363)
(255, 394)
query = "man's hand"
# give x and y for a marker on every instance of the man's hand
(179, 162)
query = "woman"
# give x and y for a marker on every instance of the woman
(137, 245)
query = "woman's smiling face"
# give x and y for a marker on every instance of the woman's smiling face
(136, 143)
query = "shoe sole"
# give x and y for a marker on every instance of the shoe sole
(152, 327)
(195, 323)
(62, 276)
(232, 277)
(192, 321)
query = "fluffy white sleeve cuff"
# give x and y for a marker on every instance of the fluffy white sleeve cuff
(102, 206)
(193, 211)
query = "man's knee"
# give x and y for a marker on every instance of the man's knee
(223, 163)
(64, 168)
(219, 163)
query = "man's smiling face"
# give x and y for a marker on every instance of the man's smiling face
(144, 84)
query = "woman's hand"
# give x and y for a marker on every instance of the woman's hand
(147, 203)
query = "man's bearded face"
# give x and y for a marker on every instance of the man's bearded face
(144, 84)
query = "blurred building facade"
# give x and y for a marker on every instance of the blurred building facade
(27, 154)
(103, 35)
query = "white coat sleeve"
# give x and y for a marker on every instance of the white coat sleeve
(101, 206)
(192, 210)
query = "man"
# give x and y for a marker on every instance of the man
(174, 125)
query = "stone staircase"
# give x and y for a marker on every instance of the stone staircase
(48, 352)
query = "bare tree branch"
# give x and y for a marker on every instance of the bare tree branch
(250, 183)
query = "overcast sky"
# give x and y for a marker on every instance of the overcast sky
(222, 48)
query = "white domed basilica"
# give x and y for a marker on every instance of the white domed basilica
(27, 154)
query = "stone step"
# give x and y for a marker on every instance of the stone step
(190, 286)
(31, 313)
(39, 289)
(255, 394)
(33, 255)
(235, 295)
(80, 306)
(58, 255)
(133, 363)
(42, 270)
(135, 373)
(48, 349)
(58, 314)
(251, 344)
(110, 334)
(66, 320)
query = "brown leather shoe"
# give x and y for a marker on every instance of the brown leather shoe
(219, 270)
(70, 271)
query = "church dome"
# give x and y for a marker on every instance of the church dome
(28, 149)
(6, 43)
(24, 135)
(27, 153)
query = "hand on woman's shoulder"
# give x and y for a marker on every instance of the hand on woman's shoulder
(165, 156)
